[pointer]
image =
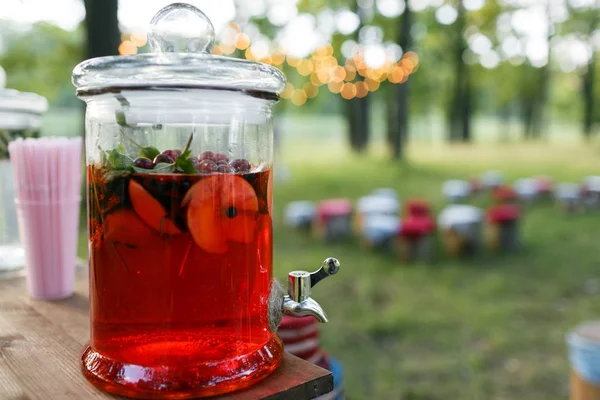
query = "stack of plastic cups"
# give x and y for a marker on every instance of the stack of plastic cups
(491, 179)
(47, 175)
(300, 337)
(584, 356)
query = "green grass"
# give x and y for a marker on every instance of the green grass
(486, 328)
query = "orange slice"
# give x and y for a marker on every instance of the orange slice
(221, 208)
(124, 226)
(150, 210)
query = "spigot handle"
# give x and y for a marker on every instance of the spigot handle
(301, 282)
(330, 266)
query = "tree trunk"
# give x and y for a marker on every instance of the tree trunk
(589, 82)
(103, 36)
(538, 125)
(459, 110)
(401, 93)
(357, 109)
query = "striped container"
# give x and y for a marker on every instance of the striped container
(584, 357)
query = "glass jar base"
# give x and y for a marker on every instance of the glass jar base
(182, 381)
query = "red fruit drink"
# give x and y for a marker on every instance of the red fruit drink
(180, 274)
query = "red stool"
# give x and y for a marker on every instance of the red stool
(415, 242)
(333, 221)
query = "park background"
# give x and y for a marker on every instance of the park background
(388, 93)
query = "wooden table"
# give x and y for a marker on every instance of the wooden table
(41, 341)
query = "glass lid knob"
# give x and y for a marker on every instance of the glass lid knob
(181, 28)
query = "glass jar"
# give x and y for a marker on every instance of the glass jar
(179, 177)
(20, 117)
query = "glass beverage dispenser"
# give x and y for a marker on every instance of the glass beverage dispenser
(179, 175)
(20, 117)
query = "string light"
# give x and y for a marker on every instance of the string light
(350, 73)
(227, 48)
(362, 90)
(335, 87)
(305, 68)
(277, 57)
(216, 50)
(314, 79)
(293, 62)
(127, 48)
(311, 90)
(139, 39)
(299, 97)
(287, 91)
(241, 41)
(372, 84)
(349, 91)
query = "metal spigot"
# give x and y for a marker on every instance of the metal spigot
(298, 302)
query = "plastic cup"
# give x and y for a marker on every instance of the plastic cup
(49, 232)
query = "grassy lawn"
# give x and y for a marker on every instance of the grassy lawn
(487, 328)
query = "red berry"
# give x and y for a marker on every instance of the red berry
(172, 153)
(240, 165)
(206, 166)
(207, 155)
(220, 157)
(225, 169)
(163, 158)
(144, 163)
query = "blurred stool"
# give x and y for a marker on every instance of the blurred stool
(300, 337)
(386, 192)
(492, 179)
(460, 227)
(568, 197)
(503, 227)
(378, 231)
(300, 214)
(504, 194)
(417, 208)
(333, 220)
(590, 192)
(544, 187)
(526, 189)
(338, 381)
(583, 344)
(475, 185)
(456, 191)
(415, 241)
(374, 205)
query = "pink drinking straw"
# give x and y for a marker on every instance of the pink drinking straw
(47, 175)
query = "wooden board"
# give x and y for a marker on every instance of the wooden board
(41, 341)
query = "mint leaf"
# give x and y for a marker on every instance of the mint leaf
(119, 161)
(149, 152)
(120, 117)
(185, 165)
(121, 148)
(164, 167)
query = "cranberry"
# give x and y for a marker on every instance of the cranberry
(220, 157)
(144, 163)
(172, 153)
(207, 155)
(163, 158)
(206, 166)
(240, 165)
(225, 169)
(222, 162)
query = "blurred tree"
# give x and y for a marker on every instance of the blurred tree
(41, 59)
(398, 102)
(459, 110)
(357, 109)
(102, 27)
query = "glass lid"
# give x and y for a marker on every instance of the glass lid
(20, 102)
(181, 38)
